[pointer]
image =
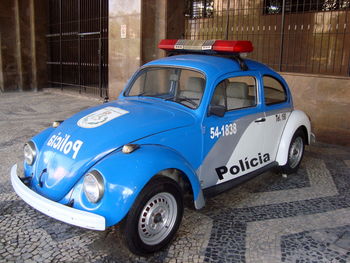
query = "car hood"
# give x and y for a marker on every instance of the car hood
(80, 141)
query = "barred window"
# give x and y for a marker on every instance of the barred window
(297, 6)
(200, 8)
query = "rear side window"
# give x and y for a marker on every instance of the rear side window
(274, 91)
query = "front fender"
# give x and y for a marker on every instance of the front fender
(125, 175)
(41, 137)
(296, 120)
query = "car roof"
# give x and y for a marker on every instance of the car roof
(209, 64)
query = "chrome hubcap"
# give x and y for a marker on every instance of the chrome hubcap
(157, 218)
(296, 151)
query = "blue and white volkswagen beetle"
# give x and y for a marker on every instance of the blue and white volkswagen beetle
(193, 124)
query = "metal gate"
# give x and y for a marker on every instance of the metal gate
(306, 36)
(78, 45)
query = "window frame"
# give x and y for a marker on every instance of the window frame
(283, 86)
(135, 77)
(225, 96)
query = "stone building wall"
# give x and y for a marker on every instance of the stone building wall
(135, 28)
(326, 99)
(124, 43)
(23, 44)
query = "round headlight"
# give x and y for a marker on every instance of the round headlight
(29, 152)
(93, 186)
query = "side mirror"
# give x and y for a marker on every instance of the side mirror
(217, 110)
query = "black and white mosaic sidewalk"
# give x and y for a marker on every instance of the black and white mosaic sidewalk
(302, 218)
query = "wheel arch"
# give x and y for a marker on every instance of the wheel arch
(140, 167)
(185, 184)
(305, 133)
(179, 176)
(297, 120)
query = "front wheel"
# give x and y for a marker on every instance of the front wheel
(155, 216)
(295, 153)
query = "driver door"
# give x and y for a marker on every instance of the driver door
(233, 144)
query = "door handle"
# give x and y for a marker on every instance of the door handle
(260, 119)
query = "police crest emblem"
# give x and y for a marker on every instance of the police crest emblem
(100, 117)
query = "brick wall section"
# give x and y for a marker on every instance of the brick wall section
(326, 99)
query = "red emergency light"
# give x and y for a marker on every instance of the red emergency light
(219, 46)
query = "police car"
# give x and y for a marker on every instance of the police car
(197, 122)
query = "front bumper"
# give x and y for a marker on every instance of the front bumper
(56, 210)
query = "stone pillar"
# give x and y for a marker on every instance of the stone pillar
(8, 51)
(175, 19)
(18, 43)
(124, 43)
(154, 28)
(1, 70)
(135, 29)
(39, 27)
(23, 14)
(23, 44)
(160, 19)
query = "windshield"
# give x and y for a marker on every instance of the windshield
(176, 84)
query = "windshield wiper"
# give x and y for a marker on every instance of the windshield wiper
(181, 98)
(147, 94)
(141, 94)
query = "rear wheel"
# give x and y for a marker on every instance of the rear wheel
(155, 216)
(295, 153)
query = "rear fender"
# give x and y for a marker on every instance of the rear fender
(296, 120)
(125, 175)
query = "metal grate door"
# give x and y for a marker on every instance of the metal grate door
(78, 45)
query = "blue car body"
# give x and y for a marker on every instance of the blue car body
(169, 134)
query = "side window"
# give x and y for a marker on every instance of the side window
(274, 91)
(241, 92)
(236, 93)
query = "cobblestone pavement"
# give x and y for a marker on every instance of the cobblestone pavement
(302, 218)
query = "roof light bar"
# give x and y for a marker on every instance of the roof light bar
(219, 46)
(233, 46)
